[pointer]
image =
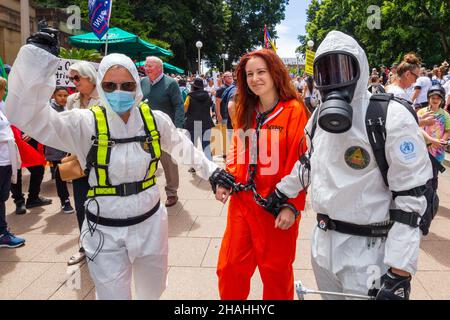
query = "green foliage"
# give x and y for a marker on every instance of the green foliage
(421, 26)
(246, 27)
(81, 54)
(224, 26)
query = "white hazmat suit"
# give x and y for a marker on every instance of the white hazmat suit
(140, 249)
(347, 263)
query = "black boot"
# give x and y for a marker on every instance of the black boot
(20, 208)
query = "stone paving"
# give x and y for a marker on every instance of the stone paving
(196, 224)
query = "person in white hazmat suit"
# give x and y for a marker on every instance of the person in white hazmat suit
(347, 188)
(125, 232)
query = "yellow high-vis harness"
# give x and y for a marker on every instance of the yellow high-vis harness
(100, 153)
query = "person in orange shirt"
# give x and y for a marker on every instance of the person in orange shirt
(267, 141)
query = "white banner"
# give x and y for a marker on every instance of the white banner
(215, 78)
(62, 73)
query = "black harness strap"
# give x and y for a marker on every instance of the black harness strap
(380, 230)
(108, 222)
(128, 140)
(411, 219)
(376, 130)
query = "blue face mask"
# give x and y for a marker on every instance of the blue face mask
(120, 101)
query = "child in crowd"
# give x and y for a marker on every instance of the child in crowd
(439, 132)
(54, 156)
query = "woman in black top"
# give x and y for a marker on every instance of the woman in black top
(198, 119)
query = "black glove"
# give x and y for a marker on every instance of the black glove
(221, 178)
(393, 287)
(46, 39)
(274, 202)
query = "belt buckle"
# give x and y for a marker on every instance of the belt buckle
(127, 189)
(323, 222)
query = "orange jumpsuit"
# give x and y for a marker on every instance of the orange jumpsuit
(251, 238)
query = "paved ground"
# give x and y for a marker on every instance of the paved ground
(39, 271)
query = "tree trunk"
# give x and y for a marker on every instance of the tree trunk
(444, 42)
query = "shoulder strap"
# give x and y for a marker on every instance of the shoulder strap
(227, 92)
(153, 137)
(315, 116)
(100, 152)
(150, 129)
(376, 127)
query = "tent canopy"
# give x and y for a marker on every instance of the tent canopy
(167, 67)
(119, 41)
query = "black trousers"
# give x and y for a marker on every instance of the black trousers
(61, 186)
(5, 185)
(80, 190)
(36, 177)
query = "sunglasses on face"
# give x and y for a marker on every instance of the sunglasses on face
(112, 86)
(75, 78)
(415, 75)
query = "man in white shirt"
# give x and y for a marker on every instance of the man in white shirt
(419, 96)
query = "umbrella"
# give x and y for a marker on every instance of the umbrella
(119, 41)
(167, 67)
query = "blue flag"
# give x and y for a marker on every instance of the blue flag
(99, 13)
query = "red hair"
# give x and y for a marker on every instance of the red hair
(247, 100)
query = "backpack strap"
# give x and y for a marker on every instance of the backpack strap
(376, 129)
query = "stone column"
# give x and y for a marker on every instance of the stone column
(24, 20)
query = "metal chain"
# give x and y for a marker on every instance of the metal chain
(251, 185)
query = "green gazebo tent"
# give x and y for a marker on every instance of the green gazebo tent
(167, 67)
(119, 41)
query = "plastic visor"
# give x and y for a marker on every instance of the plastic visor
(335, 69)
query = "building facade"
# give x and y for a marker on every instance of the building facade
(10, 36)
(10, 24)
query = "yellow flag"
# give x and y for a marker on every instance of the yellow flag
(309, 66)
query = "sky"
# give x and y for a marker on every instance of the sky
(292, 26)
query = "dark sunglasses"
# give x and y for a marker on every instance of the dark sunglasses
(76, 78)
(112, 86)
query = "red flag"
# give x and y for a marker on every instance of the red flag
(29, 155)
(266, 38)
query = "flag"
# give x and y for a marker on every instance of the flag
(99, 14)
(3, 75)
(2, 69)
(268, 40)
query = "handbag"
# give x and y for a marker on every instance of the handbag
(70, 168)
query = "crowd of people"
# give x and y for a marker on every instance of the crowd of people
(370, 162)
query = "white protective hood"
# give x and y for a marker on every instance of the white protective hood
(338, 41)
(121, 60)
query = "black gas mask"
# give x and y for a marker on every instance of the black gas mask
(336, 75)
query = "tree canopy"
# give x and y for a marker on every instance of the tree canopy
(224, 26)
(421, 26)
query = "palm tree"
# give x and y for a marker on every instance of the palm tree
(81, 54)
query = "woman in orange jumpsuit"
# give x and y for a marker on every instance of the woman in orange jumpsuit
(267, 141)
